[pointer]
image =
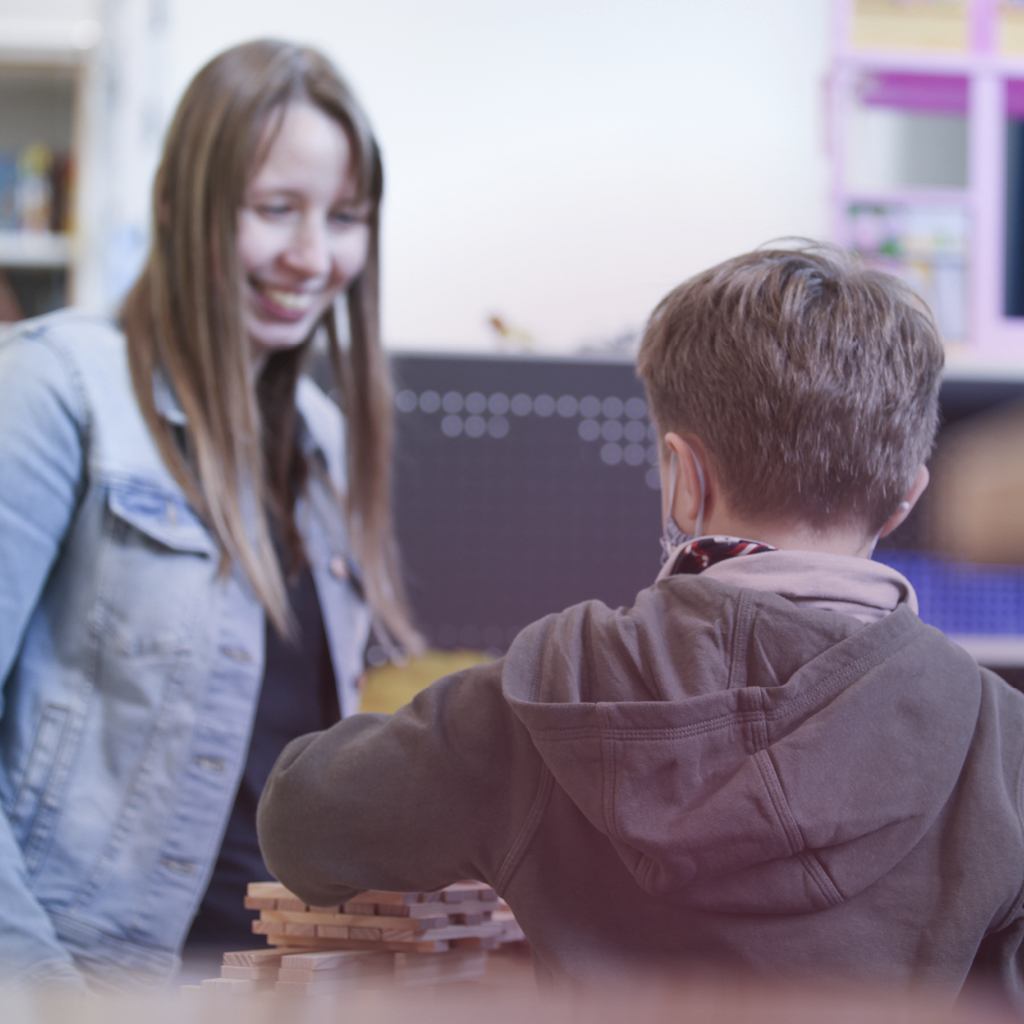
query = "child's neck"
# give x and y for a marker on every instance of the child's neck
(794, 537)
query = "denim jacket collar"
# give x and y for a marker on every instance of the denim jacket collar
(165, 398)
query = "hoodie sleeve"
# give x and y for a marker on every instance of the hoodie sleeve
(433, 794)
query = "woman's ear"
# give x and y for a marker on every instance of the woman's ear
(692, 484)
(915, 492)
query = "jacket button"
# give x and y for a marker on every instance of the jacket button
(339, 568)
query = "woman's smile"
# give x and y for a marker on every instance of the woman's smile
(285, 303)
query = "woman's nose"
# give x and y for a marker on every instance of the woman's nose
(309, 251)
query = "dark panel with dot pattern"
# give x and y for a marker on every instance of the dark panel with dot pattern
(522, 486)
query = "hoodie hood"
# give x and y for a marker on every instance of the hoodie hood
(743, 754)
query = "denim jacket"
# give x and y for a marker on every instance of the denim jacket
(130, 668)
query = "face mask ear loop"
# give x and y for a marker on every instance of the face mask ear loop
(698, 529)
(673, 478)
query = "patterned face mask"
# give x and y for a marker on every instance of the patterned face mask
(702, 552)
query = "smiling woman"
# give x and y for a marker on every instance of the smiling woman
(303, 234)
(195, 539)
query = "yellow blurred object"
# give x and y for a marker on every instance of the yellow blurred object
(911, 24)
(1011, 28)
(35, 190)
(389, 687)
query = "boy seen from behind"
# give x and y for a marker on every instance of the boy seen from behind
(767, 764)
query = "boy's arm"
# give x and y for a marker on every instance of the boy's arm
(408, 802)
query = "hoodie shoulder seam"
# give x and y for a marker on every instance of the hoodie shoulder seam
(533, 819)
(738, 646)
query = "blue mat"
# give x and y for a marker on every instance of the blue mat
(959, 597)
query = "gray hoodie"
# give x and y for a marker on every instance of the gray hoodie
(793, 776)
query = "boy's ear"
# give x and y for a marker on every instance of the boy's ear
(915, 492)
(688, 489)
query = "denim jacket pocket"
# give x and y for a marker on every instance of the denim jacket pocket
(164, 518)
(158, 559)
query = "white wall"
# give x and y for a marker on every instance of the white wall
(561, 163)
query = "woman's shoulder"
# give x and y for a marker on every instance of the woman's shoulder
(68, 344)
(70, 329)
(79, 362)
(59, 355)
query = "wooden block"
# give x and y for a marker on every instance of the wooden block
(233, 986)
(294, 928)
(359, 963)
(456, 931)
(290, 903)
(249, 973)
(470, 918)
(322, 910)
(322, 943)
(414, 910)
(255, 957)
(274, 890)
(332, 931)
(377, 896)
(413, 924)
(430, 897)
(262, 927)
(373, 933)
(322, 961)
(458, 896)
(360, 908)
(259, 903)
(462, 891)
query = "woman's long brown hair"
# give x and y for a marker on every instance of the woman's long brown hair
(240, 466)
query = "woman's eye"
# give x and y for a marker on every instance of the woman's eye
(346, 217)
(274, 209)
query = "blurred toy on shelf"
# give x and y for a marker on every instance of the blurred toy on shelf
(926, 247)
(35, 188)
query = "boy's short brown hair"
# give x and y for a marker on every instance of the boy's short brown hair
(811, 380)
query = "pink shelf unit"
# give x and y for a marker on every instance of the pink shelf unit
(922, 96)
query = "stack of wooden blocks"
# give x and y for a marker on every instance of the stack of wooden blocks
(380, 938)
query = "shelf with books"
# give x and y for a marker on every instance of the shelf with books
(39, 133)
(926, 139)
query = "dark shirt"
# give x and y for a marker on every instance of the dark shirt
(298, 696)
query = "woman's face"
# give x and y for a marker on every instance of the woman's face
(302, 235)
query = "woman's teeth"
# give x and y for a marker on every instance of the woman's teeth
(294, 302)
